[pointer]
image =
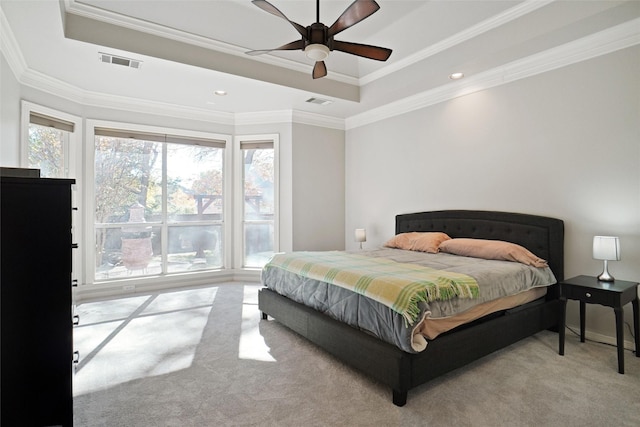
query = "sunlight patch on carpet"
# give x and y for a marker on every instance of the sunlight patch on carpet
(252, 345)
(159, 336)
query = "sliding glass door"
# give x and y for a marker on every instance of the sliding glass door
(194, 207)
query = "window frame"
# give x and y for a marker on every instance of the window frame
(239, 205)
(227, 217)
(74, 171)
(74, 147)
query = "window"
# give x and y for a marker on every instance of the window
(259, 199)
(50, 140)
(160, 203)
(50, 143)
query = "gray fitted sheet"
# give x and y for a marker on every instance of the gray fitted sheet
(496, 279)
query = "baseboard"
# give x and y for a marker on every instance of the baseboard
(144, 286)
(594, 336)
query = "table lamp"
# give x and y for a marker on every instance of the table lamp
(606, 248)
(361, 236)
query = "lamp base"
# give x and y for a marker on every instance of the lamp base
(605, 276)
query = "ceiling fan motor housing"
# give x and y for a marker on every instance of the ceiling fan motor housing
(317, 34)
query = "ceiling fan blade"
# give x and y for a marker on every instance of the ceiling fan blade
(356, 12)
(364, 50)
(298, 44)
(319, 70)
(268, 7)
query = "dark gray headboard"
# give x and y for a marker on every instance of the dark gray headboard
(543, 236)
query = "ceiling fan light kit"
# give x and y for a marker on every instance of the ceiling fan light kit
(317, 39)
(317, 52)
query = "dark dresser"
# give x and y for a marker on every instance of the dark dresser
(36, 338)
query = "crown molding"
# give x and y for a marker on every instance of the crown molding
(72, 93)
(289, 116)
(10, 49)
(315, 119)
(51, 85)
(94, 13)
(607, 41)
(496, 21)
(157, 108)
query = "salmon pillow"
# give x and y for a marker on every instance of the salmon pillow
(416, 241)
(491, 249)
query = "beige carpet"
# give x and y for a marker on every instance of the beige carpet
(203, 357)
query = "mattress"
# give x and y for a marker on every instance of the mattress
(431, 327)
(496, 280)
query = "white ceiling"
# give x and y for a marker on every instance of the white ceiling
(189, 48)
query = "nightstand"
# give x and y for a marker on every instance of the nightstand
(616, 294)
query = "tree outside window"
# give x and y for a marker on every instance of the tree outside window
(46, 151)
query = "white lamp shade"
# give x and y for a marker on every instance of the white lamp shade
(361, 235)
(606, 248)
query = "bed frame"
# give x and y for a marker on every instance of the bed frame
(403, 371)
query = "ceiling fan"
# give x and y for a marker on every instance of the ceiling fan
(317, 39)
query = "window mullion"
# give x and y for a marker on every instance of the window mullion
(165, 204)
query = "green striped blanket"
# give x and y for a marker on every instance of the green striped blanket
(397, 285)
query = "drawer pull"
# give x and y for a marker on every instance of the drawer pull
(76, 356)
(76, 320)
(588, 295)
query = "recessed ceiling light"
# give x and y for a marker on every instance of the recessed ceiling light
(456, 76)
(220, 92)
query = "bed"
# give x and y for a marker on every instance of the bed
(403, 370)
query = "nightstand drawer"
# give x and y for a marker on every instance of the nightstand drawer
(588, 295)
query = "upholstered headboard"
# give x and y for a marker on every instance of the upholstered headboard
(543, 236)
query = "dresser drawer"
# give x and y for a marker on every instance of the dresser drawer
(588, 295)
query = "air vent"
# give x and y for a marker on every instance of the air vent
(107, 58)
(319, 101)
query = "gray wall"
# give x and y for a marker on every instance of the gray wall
(565, 143)
(318, 188)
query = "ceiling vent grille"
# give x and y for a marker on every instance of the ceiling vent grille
(107, 58)
(319, 101)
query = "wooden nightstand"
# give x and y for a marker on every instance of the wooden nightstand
(616, 294)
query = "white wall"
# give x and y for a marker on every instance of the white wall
(9, 116)
(564, 144)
